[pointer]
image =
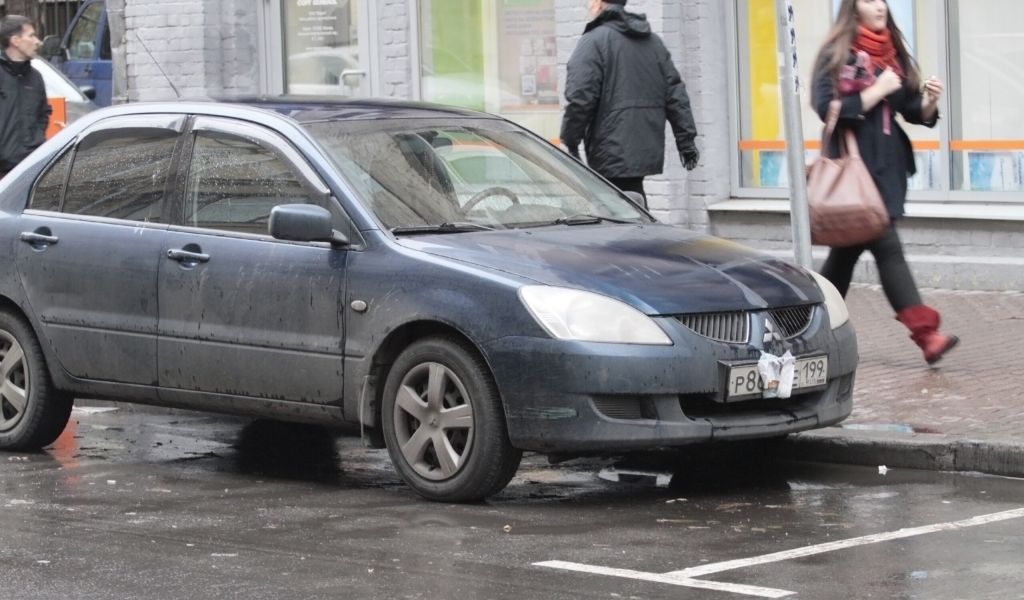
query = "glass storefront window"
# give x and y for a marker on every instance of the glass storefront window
(761, 147)
(498, 56)
(988, 126)
(321, 48)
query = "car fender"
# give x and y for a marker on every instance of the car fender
(409, 294)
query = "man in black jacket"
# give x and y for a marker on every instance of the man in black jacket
(621, 88)
(24, 111)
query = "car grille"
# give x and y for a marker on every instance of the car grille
(734, 327)
(792, 321)
(731, 327)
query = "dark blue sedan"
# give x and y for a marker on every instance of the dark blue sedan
(446, 279)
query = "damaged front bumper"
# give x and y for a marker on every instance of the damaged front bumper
(575, 397)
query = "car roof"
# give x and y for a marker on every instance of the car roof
(306, 109)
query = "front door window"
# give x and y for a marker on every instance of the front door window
(233, 185)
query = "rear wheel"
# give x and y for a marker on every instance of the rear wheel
(32, 413)
(444, 425)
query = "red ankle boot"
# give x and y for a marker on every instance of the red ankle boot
(923, 323)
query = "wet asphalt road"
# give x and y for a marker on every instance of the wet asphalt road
(143, 503)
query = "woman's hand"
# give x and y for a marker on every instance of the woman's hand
(932, 90)
(888, 82)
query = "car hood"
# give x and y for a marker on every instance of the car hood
(659, 269)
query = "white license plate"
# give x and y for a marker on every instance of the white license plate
(746, 382)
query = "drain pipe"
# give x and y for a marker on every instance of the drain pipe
(118, 51)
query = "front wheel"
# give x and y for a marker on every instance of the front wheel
(32, 413)
(444, 425)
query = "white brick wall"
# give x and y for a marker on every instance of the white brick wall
(204, 48)
(395, 51)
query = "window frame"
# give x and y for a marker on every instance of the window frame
(945, 194)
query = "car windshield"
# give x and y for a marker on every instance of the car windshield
(454, 175)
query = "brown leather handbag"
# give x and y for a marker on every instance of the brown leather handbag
(845, 206)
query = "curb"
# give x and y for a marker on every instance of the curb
(925, 451)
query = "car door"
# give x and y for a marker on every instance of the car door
(240, 312)
(91, 241)
(87, 50)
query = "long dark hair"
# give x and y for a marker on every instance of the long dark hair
(836, 50)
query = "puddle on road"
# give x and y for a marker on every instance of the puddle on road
(889, 428)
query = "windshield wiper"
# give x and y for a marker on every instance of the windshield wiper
(453, 227)
(585, 219)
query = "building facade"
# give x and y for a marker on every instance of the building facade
(965, 224)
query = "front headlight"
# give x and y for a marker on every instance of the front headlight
(569, 314)
(838, 314)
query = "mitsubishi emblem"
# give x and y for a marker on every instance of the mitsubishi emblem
(771, 334)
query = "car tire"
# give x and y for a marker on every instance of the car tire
(32, 413)
(444, 425)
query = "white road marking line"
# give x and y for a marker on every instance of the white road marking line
(844, 544)
(686, 577)
(736, 588)
(92, 410)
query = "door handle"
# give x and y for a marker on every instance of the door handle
(186, 257)
(38, 239)
(352, 77)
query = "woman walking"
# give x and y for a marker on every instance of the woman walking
(865, 64)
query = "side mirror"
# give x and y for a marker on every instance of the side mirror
(51, 47)
(88, 91)
(304, 223)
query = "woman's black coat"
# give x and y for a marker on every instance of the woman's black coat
(889, 158)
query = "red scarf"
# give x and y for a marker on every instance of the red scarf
(879, 47)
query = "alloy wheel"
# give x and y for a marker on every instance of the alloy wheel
(433, 418)
(14, 382)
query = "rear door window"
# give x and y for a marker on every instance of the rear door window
(49, 191)
(121, 174)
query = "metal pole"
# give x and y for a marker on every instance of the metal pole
(786, 35)
(118, 51)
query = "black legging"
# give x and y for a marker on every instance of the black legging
(897, 280)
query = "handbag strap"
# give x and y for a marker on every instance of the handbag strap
(852, 149)
(831, 121)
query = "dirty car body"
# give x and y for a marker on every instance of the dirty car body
(320, 263)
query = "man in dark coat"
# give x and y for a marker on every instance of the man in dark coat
(24, 111)
(621, 88)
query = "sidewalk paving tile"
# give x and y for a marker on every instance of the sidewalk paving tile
(975, 391)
